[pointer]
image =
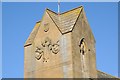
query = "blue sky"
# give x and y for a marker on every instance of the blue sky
(19, 19)
(0, 39)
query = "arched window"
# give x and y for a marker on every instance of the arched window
(83, 51)
(82, 47)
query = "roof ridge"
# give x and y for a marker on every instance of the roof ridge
(65, 11)
(71, 10)
(107, 74)
(51, 11)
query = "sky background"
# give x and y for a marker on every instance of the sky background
(19, 19)
(0, 40)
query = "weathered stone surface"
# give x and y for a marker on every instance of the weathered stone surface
(61, 46)
(82, 31)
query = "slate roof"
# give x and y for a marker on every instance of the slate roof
(65, 21)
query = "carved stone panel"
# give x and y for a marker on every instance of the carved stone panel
(47, 47)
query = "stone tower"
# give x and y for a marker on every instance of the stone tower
(61, 46)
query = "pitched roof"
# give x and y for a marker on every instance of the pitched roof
(104, 75)
(32, 35)
(65, 21)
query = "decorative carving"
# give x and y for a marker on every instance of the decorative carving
(46, 42)
(46, 46)
(46, 27)
(55, 48)
(39, 53)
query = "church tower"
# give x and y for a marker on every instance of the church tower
(61, 46)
